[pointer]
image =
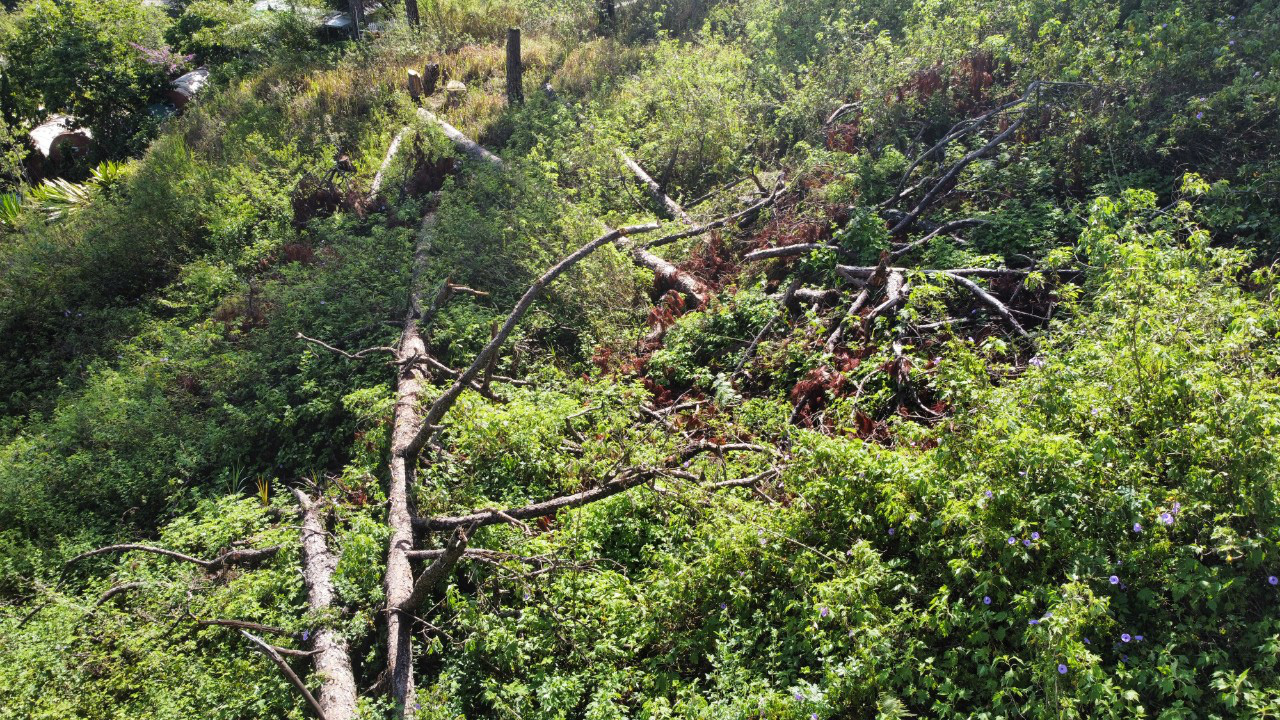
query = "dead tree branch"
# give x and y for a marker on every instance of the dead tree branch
(273, 654)
(673, 208)
(227, 559)
(332, 659)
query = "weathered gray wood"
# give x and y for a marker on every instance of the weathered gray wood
(332, 658)
(415, 86)
(515, 69)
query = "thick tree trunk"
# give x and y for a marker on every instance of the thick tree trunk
(411, 12)
(406, 421)
(332, 657)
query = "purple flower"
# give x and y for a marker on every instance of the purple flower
(1033, 622)
(1164, 25)
(1139, 638)
(1125, 637)
(798, 696)
(1177, 507)
(989, 494)
(891, 531)
(1037, 361)
(1114, 580)
(1013, 540)
(1137, 527)
(813, 716)
(1027, 543)
(1035, 536)
(1231, 42)
(1273, 580)
(724, 606)
(1166, 518)
(824, 611)
(1200, 115)
(1086, 641)
(1047, 616)
(1062, 669)
(322, 302)
(305, 634)
(986, 599)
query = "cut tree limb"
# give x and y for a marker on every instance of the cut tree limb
(443, 564)
(672, 208)
(273, 654)
(464, 143)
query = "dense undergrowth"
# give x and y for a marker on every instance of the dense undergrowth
(964, 522)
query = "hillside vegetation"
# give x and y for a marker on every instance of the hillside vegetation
(932, 369)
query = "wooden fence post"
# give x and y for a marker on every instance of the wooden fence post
(515, 85)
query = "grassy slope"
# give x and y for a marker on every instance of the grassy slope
(172, 386)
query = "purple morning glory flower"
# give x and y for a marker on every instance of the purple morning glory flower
(1013, 540)
(986, 599)
(322, 302)
(989, 494)
(1062, 669)
(1035, 536)
(305, 634)
(1027, 543)
(1125, 637)
(1086, 641)
(824, 612)
(1200, 115)
(1036, 361)
(1047, 616)
(1177, 507)
(724, 606)
(1273, 581)
(1164, 25)
(813, 716)
(1166, 518)
(1033, 622)
(1114, 580)
(1137, 527)
(891, 531)
(799, 697)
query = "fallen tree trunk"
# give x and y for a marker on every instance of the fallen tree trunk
(405, 425)
(332, 658)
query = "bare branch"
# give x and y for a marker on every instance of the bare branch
(231, 557)
(989, 299)
(671, 206)
(446, 400)
(344, 353)
(625, 480)
(438, 569)
(717, 224)
(116, 590)
(464, 143)
(274, 655)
